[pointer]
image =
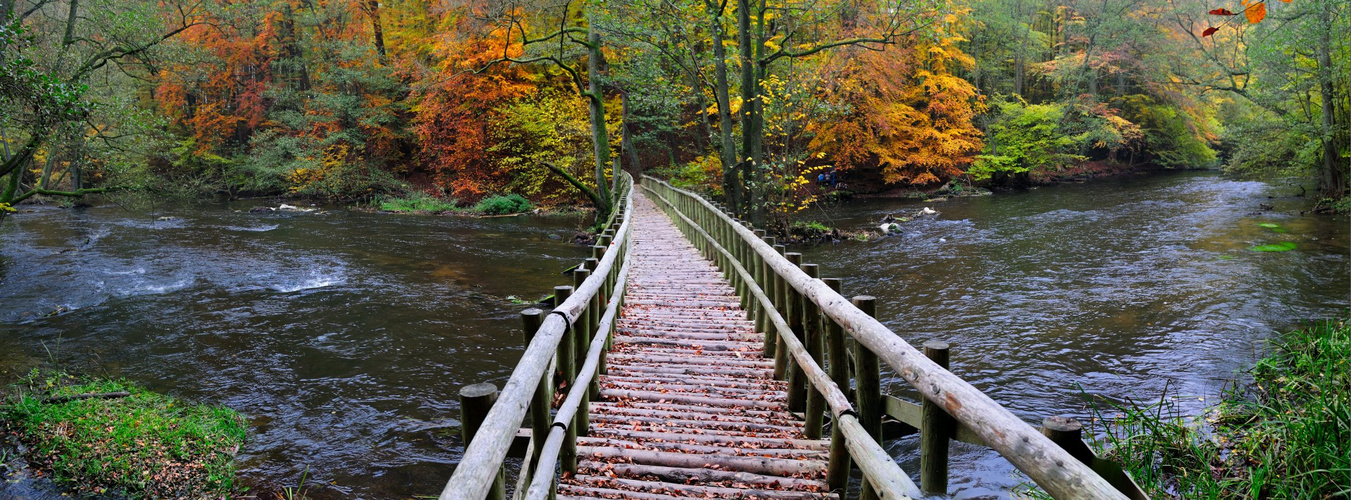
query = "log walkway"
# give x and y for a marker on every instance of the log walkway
(689, 405)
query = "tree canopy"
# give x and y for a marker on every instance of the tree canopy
(749, 100)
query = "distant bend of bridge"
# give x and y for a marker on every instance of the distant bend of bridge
(693, 357)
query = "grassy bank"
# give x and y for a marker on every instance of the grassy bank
(111, 436)
(427, 204)
(1285, 435)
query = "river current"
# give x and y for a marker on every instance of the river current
(345, 336)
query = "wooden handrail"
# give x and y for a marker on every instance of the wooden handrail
(1050, 466)
(544, 474)
(483, 456)
(877, 465)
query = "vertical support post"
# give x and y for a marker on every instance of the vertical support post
(585, 328)
(811, 327)
(837, 473)
(475, 401)
(544, 392)
(567, 368)
(781, 302)
(756, 268)
(935, 428)
(868, 388)
(770, 285)
(1069, 434)
(797, 390)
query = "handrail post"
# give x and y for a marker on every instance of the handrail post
(770, 285)
(781, 302)
(567, 367)
(797, 387)
(1068, 433)
(586, 324)
(868, 387)
(935, 428)
(811, 330)
(475, 401)
(837, 472)
(540, 403)
(757, 273)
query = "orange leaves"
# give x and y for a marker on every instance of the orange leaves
(913, 116)
(1256, 12)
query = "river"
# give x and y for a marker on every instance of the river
(345, 335)
(1121, 287)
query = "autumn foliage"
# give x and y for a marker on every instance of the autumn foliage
(911, 115)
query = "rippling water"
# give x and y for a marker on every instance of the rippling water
(1121, 286)
(345, 336)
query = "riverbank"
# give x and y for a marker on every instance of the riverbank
(111, 437)
(1287, 434)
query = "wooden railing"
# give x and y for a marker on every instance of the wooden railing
(577, 325)
(808, 322)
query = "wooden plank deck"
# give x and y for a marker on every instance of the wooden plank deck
(689, 406)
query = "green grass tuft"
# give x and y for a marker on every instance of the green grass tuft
(418, 203)
(1286, 435)
(144, 445)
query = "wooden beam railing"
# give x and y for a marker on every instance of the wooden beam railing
(734, 246)
(552, 337)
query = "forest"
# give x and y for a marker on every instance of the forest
(362, 100)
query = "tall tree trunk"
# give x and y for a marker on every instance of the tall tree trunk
(755, 168)
(1020, 50)
(626, 140)
(71, 17)
(1333, 181)
(731, 189)
(373, 10)
(600, 137)
(749, 99)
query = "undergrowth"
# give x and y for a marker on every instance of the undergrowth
(418, 202)
(502, 205)
(142, 445)
(1285, 435)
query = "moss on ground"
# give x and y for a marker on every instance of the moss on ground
(142, 445)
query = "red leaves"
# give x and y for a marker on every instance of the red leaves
(1255, 12)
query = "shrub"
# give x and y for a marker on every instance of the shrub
(1026, 137)
(502, 204)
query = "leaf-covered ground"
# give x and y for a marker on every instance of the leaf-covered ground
(143, 444)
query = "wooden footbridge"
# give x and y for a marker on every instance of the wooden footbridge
(693, 357)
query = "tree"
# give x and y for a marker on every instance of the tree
(555, 48)
(50, 52)
(910, 115)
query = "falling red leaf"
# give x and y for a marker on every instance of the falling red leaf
(1222, 12)
(1209, 31)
